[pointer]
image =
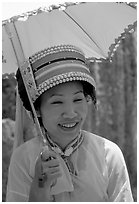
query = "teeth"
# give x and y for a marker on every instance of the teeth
(69, 125)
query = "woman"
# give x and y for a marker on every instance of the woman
(76, 166)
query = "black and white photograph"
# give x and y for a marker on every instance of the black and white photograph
(69, 101)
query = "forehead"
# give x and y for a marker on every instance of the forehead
(65, 88)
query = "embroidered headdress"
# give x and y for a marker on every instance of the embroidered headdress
(53, 66)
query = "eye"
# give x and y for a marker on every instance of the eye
(56, 102)
(78, 100)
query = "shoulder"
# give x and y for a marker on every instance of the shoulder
(99, 140)
(94, 141)
(24, 152)
(93, 138)
(103, 146)
(94, 145)
(114, 156)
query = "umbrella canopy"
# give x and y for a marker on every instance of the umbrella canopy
(95, 27)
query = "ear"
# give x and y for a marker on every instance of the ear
(88, 99)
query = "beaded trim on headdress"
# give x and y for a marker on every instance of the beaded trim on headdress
(66, 77)
(54, 50)
(53, 66)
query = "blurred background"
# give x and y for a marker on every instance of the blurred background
(115, 117)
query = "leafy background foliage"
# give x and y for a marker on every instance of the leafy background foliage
(116, 115)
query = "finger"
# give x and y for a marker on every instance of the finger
(45, 155)
(54, 176)
(47, 168)
(49, 179)
(50, 171)
(51, 163)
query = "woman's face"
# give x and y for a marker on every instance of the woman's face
(63, 110)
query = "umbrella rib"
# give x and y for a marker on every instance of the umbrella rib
(82, 29)
(9, 35)
(19, 41)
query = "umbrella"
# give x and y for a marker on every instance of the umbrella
(96, 27)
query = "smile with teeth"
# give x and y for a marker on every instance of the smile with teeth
(70, 125)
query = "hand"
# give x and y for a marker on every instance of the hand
(50, 168)
(51, 171)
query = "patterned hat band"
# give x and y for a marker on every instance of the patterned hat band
(62, 78)
(53, 66)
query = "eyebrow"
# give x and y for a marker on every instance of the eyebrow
(56, 95)
(78, 92)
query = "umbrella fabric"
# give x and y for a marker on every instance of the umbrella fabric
(95, 27)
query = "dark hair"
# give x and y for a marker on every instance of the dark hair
(89, 90)
(22, 91)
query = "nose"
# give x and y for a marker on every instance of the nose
(69, 112)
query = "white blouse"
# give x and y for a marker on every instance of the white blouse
(101, 173)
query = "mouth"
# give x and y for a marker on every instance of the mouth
(68, 126)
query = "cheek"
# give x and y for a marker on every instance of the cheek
(83, 109)
(50, 115)
(47, 116)
(49, 121)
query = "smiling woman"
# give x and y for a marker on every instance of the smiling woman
(67, 106)
(62, 170)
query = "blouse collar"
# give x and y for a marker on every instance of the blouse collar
(69, 149)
